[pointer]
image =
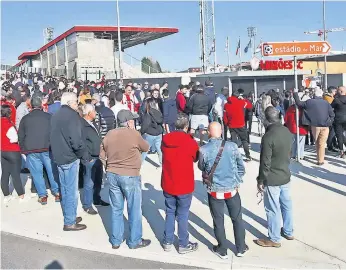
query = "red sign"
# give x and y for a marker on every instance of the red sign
(280, 65)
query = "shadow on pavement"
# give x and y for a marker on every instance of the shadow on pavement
(153, 202)
(105, 214)
(201, 194)
(319, 172)
(54, 265)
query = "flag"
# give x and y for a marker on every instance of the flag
(238, 47)
(259, 47)
(247, 47)
(227, 45)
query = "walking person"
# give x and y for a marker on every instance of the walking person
(248, 116)
(151, 129)
(235, 120)
(221, 100)
(223, 168)
(331, 141)
(170, 112)
(274, 180)
(199, 106)
(122, 163)
(93, 167)
(11, 160)
(67, 154)
(339, 105)
(179, 151)
(34, 141)
(320, 116)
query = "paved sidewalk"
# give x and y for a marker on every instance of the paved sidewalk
(319, 199)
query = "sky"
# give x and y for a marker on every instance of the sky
(22, 25)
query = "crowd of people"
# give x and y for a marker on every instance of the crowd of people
(68, 133)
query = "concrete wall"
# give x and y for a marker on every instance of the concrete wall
(95, 53)
(335, 79)
(332, 67)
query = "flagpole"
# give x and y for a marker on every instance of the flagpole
(240, 67)
(228, 57)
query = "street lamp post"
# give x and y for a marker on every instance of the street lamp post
(252, 32)
(325, 38)
(119, 43)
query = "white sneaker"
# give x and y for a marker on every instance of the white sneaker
(8, 198)
(24, 200)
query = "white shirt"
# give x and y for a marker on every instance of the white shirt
(118, 107)
(12, 135)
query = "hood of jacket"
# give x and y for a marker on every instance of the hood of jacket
(175, 139)
(342, 99)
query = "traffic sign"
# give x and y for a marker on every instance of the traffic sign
(295, 48)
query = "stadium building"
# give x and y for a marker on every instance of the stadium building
(88, 51)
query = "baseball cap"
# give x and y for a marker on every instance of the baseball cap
(125, 115)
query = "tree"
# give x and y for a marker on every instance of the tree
(150, 66)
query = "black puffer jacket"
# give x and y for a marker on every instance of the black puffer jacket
(105, 119)
(66, 138)
(339, 105)
(152, 122)
(198, 104)
(92, 140)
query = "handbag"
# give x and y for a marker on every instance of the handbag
(208, 177)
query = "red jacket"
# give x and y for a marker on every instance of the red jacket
(234, 112)
(179, 152)
(6, 145)
(13, 110)
(290, 121)
(181, 101)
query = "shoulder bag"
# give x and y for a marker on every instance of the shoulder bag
(208, 177)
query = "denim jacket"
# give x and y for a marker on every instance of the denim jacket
(230, 170)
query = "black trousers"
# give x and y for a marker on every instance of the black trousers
(97, 178)
(225, 128)
(11, 163)
(312, 140)
(216, 207)
(331, 142)
(242, 133)
(340, 127)
(248, 124)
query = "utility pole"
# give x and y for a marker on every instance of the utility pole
(207, 35)
(119, 43)
(325, 38)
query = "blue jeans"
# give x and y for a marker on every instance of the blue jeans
(68, 175)
(294, 153)
(278, 204)
(35, 163)
(177, 207)
(128, 187)
(153, 141)
(88, 184)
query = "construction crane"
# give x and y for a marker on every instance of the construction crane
(321, 32)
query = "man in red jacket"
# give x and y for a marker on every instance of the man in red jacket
(179, 152)
(290, 123)
(180, 98)
(234, 118)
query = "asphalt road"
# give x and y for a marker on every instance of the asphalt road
(19, 252)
